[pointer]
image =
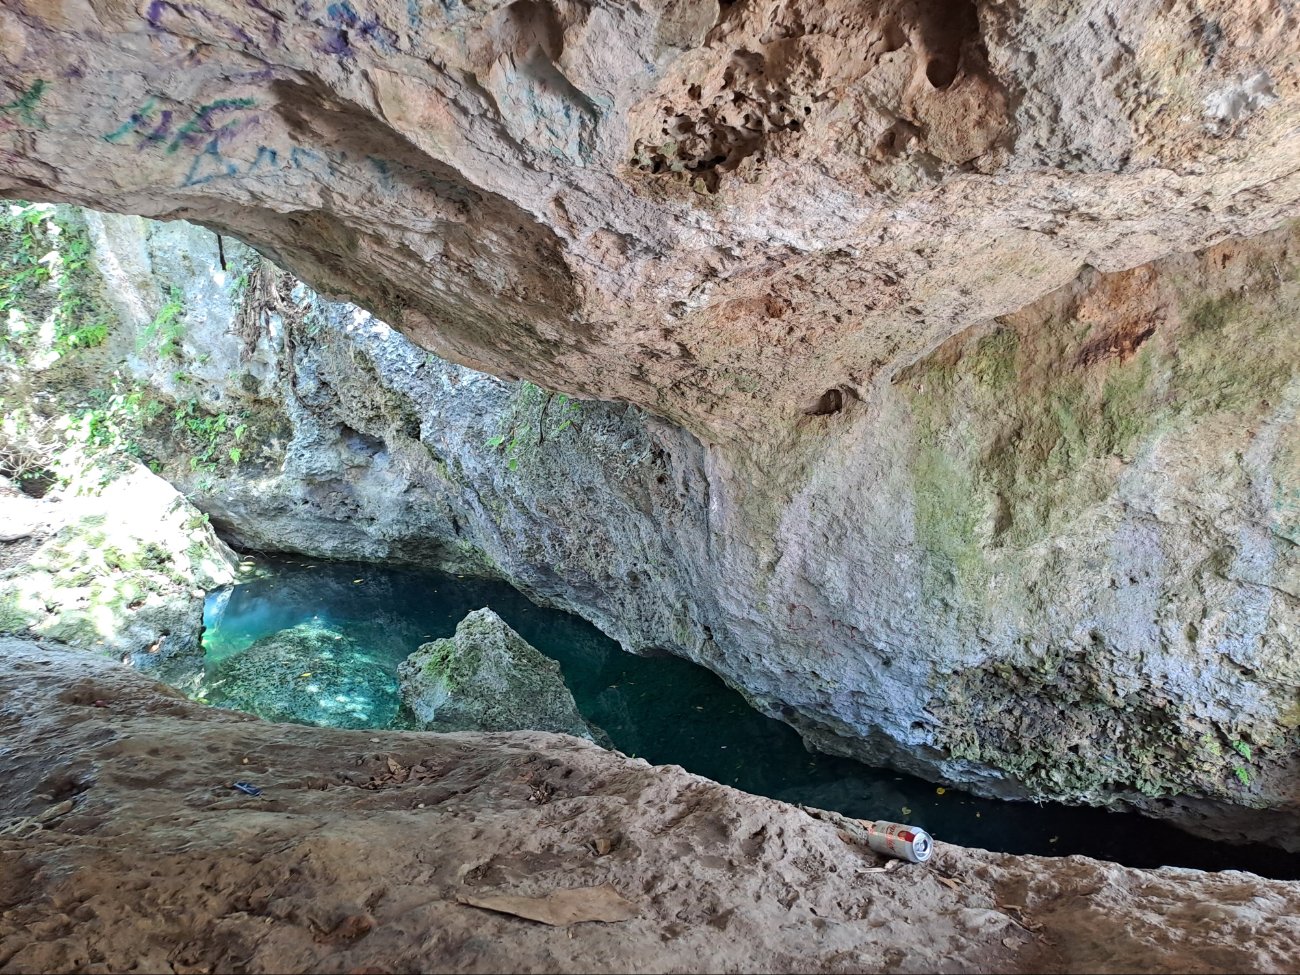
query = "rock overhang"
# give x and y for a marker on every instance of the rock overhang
(721, 214)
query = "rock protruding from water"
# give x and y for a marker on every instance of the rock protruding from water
(488, 678)
(307, 674)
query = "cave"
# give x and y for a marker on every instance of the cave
(472, 470)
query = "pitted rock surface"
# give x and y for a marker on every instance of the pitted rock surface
(721, 213)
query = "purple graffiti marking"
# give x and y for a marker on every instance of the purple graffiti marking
(336, 40)
(150, 125)
(162, 131)
(141, 124)
(155, 12)
(154, 15)
(342, 13)
(274, 17)
(202, 124)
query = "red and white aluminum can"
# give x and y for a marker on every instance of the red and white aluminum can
(896, 840)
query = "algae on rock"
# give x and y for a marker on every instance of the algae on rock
(122, 571)
(307, 674)
(488, 678)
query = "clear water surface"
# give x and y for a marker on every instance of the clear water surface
(670, 711)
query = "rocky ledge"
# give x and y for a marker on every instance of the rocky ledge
(126, 847)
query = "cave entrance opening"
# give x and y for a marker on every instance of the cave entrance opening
(660, 708)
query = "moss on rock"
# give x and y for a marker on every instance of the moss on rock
(488, 678)
(1087, 431)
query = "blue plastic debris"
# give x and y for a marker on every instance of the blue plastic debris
(249, 788)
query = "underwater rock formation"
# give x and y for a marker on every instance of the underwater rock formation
(307, 674)
(487, 678)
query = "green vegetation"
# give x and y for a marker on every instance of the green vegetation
(114, 418)
(212, 438)
(534, 415)
(167, 329)
(1240, 771)
(49, 298)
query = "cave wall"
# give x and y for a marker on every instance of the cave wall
(973, 448)
(1054, 559)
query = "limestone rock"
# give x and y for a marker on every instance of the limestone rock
(121, 570)
(487, 678)
(308, 674)
(999, 570)
(722, 212)
(358, 878)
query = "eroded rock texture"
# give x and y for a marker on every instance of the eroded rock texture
(982, 460)
(1053, 559)
(728, 214)
(358, 855)
(115, 562)
(487, 678)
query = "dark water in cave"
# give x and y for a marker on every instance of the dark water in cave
(663, 709)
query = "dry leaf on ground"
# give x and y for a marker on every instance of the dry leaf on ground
(562, 907)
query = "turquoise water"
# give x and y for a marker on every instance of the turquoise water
(663, 709)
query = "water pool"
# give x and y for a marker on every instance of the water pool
(663, 709)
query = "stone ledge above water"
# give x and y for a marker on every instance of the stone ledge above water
(323, 874)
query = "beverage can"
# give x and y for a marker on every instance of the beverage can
(898, 840)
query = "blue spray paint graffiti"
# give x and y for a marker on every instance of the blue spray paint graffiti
(212, 164)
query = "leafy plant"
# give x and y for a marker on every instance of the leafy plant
(211, 435)
(168, 326)
(198, 520)
(46, 277)
(113, 420)
(79, 322)
(536, 414)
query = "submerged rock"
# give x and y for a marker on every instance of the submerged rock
(308, 674)
(488, 678)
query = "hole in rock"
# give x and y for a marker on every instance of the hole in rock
(944, 29)
(941, 72)
(831, 401)
(364, 619)
(361, 443)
